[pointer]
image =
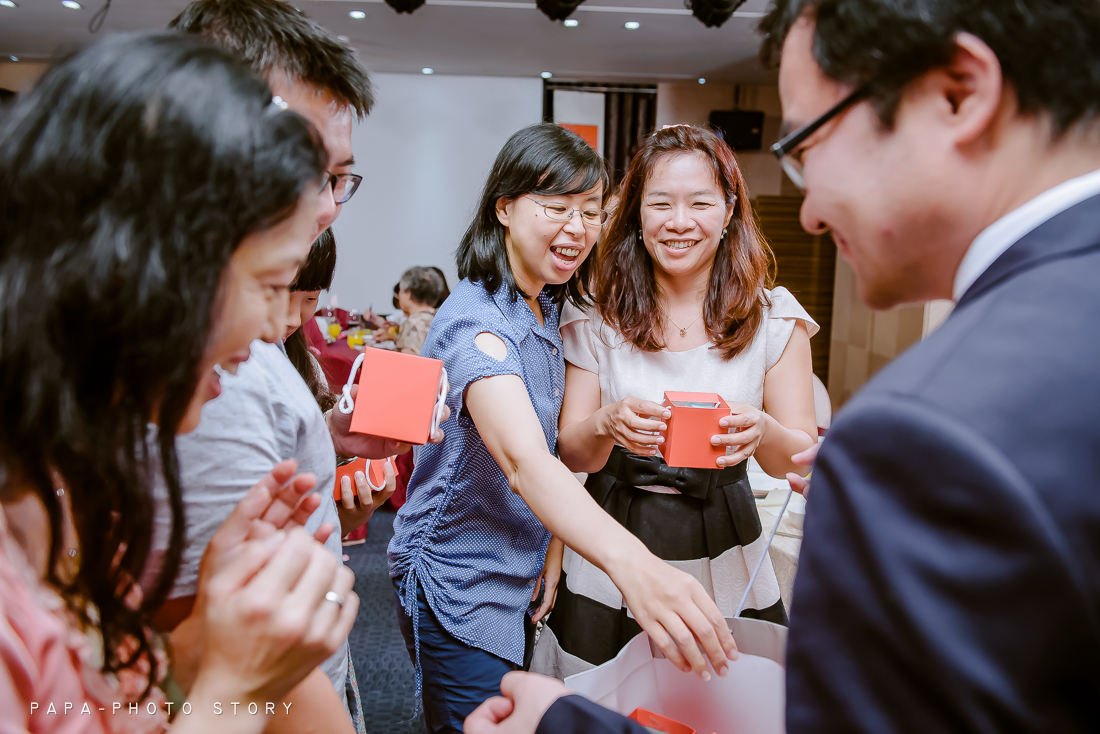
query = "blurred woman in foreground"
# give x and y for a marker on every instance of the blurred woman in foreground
(154, 207)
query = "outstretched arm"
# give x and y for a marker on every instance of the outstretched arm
(670, 605)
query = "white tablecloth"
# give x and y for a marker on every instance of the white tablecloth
(788, 540)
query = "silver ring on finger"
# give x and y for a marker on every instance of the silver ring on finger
(335, 598)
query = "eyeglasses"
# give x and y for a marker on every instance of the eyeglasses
(343, 185)
(562, 213)
(787, 150)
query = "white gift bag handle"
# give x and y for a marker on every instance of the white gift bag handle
(370, 484)
(346, 405)
(760, 563)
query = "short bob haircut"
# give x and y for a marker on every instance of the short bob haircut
(541, 159)
(425, 285)
(625, 291)
(128, 178)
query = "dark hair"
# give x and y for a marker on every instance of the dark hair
(1049, 50)
(446, 289)
(128, 177)
(320, 265)
(424, 285)
(624, 289)
(542, 159)
(275, 37)
(315, 275)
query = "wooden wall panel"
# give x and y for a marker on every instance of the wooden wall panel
(805, 265)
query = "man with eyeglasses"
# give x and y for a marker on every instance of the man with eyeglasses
(950, 571)
(266, 413)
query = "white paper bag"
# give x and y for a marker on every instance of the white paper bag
(750, 700)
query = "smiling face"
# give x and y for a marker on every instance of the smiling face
(543, 250)
(253, 302)
(683, 214)
(897, 202)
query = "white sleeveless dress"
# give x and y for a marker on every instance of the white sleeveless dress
(717, 540)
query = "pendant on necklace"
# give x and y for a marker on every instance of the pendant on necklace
(683, 331)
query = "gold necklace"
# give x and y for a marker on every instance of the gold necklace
(683, 329)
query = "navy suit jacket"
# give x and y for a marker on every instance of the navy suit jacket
(577, 714)
(950, 572)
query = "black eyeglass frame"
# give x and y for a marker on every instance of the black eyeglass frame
(331, 179)
(785, 147)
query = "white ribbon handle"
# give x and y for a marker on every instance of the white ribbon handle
(346, 405)
(370, 484)
(440, 401)
(760, 563)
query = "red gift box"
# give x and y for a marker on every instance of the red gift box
(400, 396)
(374, 468)
(694, 421)
(660, 724)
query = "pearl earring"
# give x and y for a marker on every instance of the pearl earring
(724, 232)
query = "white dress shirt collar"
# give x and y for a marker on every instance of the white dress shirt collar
(1009, 229)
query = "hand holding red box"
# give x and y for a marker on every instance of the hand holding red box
(401, 396)
(695, 420)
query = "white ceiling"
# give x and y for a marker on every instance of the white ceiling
(469, 37)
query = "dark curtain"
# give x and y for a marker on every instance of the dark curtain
(628, 118)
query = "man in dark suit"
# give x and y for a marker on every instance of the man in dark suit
(950, 571)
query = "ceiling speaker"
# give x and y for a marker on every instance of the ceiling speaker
(713, 13)
(405, 6)
(559, 9)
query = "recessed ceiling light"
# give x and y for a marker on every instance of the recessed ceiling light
(546, 75)
(357, 14)
(8, 4)
(632, 25)
(571, 22)
(702, 80)
(427, 70)
(71, 4)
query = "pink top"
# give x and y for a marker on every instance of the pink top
(50, 680)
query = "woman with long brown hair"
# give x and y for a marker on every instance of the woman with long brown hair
(681, 303)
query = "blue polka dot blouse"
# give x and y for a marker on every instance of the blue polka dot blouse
(464, 536)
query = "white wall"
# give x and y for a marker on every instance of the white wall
(424, 153)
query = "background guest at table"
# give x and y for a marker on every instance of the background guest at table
(469, 546)
(315, 276)
(681, 303)
(419, 292)
(162, 240)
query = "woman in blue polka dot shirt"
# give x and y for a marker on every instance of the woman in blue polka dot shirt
(469, 546)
